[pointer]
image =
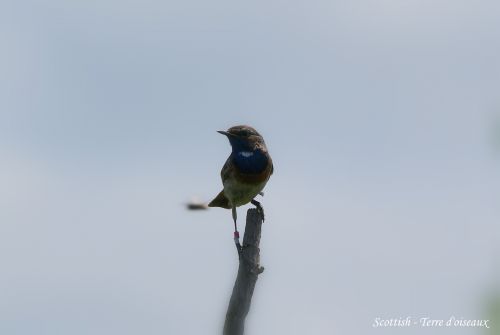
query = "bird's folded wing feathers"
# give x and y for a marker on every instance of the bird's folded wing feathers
(226, 170)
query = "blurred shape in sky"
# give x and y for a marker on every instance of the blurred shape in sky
(196, 204)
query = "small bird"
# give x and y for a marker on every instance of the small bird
(246, 171)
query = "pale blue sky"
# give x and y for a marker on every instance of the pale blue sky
(378, 115)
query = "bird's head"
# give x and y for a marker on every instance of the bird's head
(243, 138)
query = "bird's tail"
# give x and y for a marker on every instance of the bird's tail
(220, 201)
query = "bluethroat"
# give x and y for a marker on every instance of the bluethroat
(245, 173)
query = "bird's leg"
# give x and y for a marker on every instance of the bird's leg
(260, 209)
(236, 233)
(235, 217)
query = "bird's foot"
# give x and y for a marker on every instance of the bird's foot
(259, 207)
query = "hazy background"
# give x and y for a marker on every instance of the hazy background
(382, 117)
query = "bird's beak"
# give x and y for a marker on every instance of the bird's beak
(224, 132)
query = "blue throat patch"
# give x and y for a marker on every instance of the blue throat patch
(251, 162)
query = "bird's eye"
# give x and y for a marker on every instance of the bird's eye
(244, 133)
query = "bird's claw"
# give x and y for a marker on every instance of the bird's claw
(260, 209)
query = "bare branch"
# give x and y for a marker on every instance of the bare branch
(248, 271)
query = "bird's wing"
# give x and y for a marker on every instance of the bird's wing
(221, 199)
(226, 169)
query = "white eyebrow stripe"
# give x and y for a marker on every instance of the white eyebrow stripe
(245, 153)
